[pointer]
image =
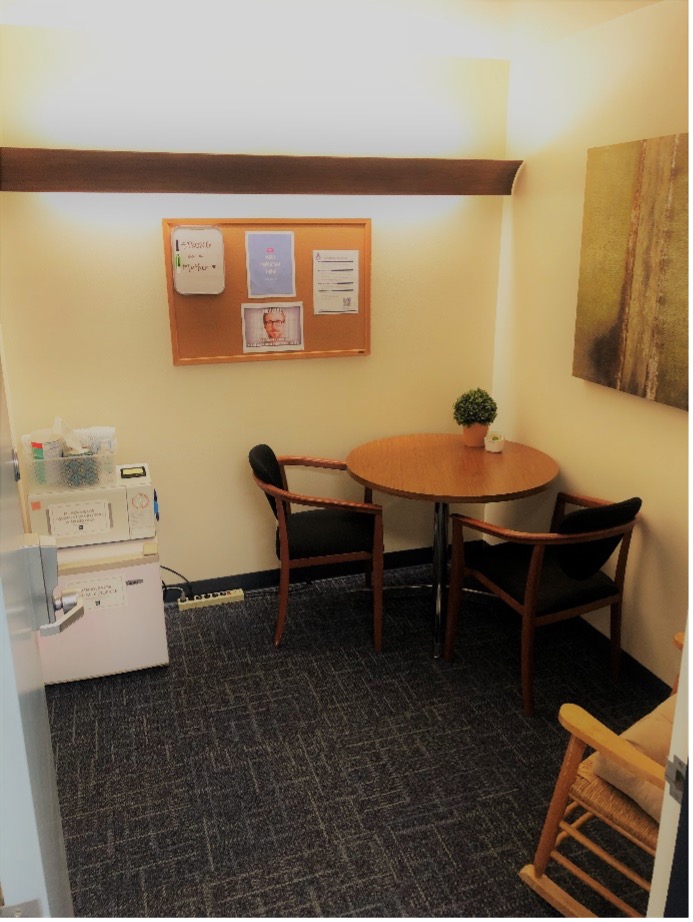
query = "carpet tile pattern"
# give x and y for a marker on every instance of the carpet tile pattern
(321, 779)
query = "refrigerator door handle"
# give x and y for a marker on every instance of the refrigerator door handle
(55, 608)
(68, 608)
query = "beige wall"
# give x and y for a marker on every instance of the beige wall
(82, 294)
(622, 81)
(84, 308)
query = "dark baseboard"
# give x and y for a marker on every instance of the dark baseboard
(265, 579)
(629, 666)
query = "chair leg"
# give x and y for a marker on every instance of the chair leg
(534, 874)
(527, 664)
(369, 575)
(559, 801)
(615, 633)
(375, 571)
(283, 604)
(377, 590)
(452, 618)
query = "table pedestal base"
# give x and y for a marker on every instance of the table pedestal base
(441, 518)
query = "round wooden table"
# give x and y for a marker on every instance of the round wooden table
(439, 468)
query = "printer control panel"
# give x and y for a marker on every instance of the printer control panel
(129, 472)
(140, 499)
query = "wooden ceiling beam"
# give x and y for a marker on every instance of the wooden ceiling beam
(32, 169)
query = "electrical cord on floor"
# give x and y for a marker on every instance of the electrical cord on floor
(179, 589)
(166, 589)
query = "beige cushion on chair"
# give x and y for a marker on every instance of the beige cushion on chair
(652, 736)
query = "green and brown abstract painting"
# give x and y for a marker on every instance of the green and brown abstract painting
(632, 314)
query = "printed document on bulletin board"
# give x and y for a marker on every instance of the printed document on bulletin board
(198, 260)
(336, 281)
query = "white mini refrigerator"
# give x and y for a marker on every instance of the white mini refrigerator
(123, 626)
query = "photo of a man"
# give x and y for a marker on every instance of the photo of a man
(274, 321)
(272, 327)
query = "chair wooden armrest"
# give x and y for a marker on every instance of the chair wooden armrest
(325, 463)
(579, 723)
(579, 499)
(498, 531)
(533, 537)
(679, 639)
(300, 461)
(301, 499)
(564, 499)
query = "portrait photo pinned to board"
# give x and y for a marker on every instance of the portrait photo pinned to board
(273, 327)
(197, 252)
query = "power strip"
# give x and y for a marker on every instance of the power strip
(211, 598)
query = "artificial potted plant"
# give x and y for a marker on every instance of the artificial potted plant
(475, 410)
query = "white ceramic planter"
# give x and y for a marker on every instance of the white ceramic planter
(494, 442)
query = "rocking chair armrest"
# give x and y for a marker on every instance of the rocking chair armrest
(581, 724)
(300, 461)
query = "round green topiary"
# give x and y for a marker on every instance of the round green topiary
(475, 406)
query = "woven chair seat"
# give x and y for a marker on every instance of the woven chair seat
(614, 807)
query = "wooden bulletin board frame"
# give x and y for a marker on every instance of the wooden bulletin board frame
(207, 329)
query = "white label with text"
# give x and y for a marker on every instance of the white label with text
(90, 518)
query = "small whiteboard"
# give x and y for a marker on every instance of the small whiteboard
(198, 260)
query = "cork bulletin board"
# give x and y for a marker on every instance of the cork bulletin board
(262, 290)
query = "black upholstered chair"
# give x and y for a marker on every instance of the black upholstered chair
(547, 577)
(330, 531)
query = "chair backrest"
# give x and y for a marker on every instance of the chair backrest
(581, 561)
(265, 466)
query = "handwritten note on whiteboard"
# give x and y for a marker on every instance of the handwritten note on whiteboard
(198, 260)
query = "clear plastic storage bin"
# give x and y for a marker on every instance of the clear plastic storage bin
(95, 466)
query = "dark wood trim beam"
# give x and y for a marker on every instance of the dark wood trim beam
(33, 169)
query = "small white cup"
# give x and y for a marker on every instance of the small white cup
(494, 442)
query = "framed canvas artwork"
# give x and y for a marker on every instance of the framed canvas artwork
(632, 314)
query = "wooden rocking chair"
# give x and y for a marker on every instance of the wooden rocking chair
(629, 802)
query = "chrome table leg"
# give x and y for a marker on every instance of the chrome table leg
(440, 574)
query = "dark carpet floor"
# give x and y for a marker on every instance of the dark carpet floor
(322, 779)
